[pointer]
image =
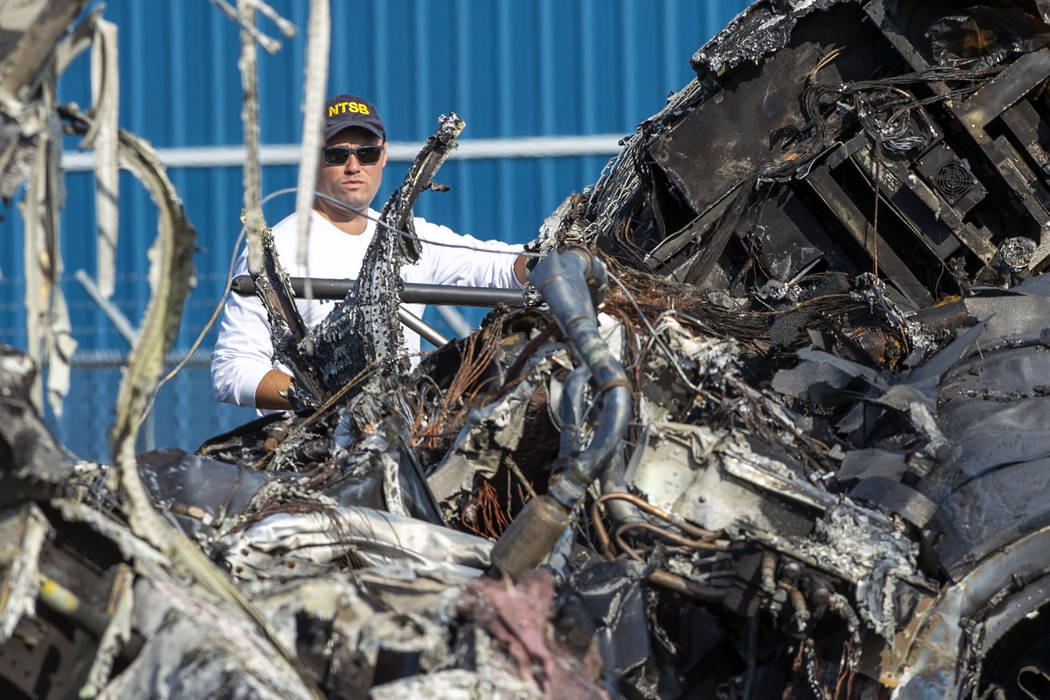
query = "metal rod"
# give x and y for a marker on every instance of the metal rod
(115, 315)
(410, 294)
(124, 327)
(417, 324)
(397, 151)
(63, 601)
(66, 603)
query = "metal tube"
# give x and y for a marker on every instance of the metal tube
(66, 603)
(588, 466)
(571, 412)
(612, 481)
(705, 594)
(115, 315)
(337, 289)
(568, 282)
(128, 332)
(706, 544)
(411, 293)
(410, 320)
(63, 601)
(603, 537)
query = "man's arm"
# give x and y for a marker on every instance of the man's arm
(520, 271)
(272, 387)
(243, 354)
(487, 264)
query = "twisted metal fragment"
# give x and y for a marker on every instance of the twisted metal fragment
(172, 278)
(363, 329)
(101, 37)
(271, 282)
(48, 330)
(318, 40)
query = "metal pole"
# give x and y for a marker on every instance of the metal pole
(410, 293)
(115, 315)
(128, 332)
(410, 320)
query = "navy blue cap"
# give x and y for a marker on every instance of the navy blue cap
(346, 111)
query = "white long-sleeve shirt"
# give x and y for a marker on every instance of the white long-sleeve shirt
(243, 352)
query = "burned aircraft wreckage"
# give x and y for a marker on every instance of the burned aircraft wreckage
(770, 423)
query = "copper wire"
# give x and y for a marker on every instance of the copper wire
(479, 351)
(707, 543)
(701, 535)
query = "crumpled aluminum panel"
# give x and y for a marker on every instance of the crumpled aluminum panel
(288, 544)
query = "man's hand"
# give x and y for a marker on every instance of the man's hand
(270, 393)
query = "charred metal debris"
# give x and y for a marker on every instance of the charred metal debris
(773, 423)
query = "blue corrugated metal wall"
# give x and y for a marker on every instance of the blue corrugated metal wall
(510, 68)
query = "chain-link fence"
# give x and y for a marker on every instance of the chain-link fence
(184, 415)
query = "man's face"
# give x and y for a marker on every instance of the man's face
(351, 182)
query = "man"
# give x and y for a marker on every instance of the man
(243, 370)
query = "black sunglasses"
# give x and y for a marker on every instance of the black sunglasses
(338, 155)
